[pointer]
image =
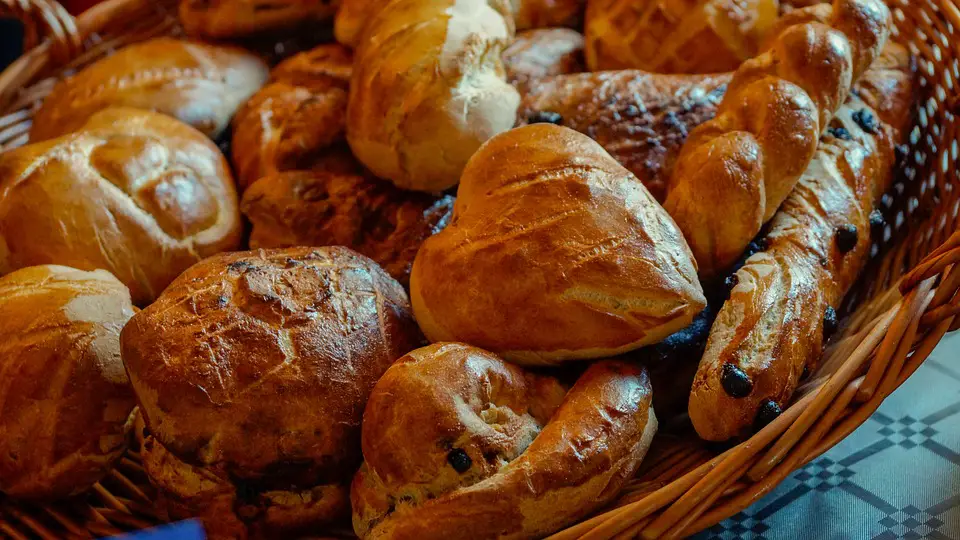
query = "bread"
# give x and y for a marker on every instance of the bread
(676, 36)
(779, 314)
(429, 88)
(295, 119)
(529, 14)
(351, 19)
(137, 193)
(224, 19)
(555, 252)
(256, 366)
(641, 119)
(197, 83)
(65, 402)
(338, 203)
(536, 54)
(461, 445)
(745, 162)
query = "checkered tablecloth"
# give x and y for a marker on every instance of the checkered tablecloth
(897, 476)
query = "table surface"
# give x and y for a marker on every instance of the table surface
(897, 476)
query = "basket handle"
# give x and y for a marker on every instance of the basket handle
(46, 19)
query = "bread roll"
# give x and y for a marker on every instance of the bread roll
(65, 402)
(537, 54)
(197, 83)
(676, 36)
(555, 252)
(429, 88)
(255, 367)
(224, 19)
(134, 192)
(351, 19)
(461, 445)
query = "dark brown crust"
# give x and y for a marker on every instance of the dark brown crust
(536, 54)
(222, 19)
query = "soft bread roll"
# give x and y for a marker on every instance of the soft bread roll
(197, 83)
(537, 54)
(736, 170)
(429, 88)
(134, 192)
(548, 13)
(66, 407)
(676, 36)
(555, 252)
(774, 324)
(296, 118)
(224, 19)
(256, 366)
(337, 203)
(504, 454)
(642, 119)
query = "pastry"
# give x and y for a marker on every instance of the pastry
(536, 54)
(252, 371)
(548, 13)
(555, 252)
(224, 19)
(676, 36)
(736, 170)
(134, 192)
(66, 407)
(429, 88)
(197, 83)
(338, 203)
(505, 454)
(351, 19)
(782, 308)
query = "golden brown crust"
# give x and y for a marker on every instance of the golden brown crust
(529, 14)
(537, 54)
(65, 401)
(200, 84)
(221, 19)
(555, 252)
(351, 19)
(262, 361)
(746, 161)
(772, 326)
(134, 192)
(676, 36)
(338, 203)
(641, 118)
(459, 444)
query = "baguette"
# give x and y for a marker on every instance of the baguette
(736, 170)
(782, 307)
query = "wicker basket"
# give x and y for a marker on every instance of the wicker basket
(903, 305)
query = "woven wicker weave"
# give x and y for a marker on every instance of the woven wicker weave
(904, 303)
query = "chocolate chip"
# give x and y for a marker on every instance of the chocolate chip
(758, 245)
(545, 117)
(735, 382)
(830, 322)
(877, 223)
(839, 132)
(846, 237)
(769, 411)
(866, 120)
(459, 460)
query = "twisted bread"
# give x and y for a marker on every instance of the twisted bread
(773, 325)
(735, 170)
(459, 444)
(429, 88)
(537, 54)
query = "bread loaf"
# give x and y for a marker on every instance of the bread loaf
(736, 170)
(224, 19)
(537, 54)
(65, 402)
(461, 445)
(555, 252)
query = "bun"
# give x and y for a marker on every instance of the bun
(663, 36)
(66, 407)
(641, 119)
(555, 252)
(429, 88)
(745, 162)
(295, 119)
(537, 54)
(256, 366)
(199, 84)
(505, 454)
(134, 192)
(224, 19)
(772, 327)
(339, 204)
(548, 13)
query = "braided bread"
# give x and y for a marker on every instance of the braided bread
(460, 445)
(735, 170)
(774, 323)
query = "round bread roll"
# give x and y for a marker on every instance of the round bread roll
(459, 444)
(200, 84)
(134, 192)
(255, 367)
(66, 407)
(555, 252)
(221, 19)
